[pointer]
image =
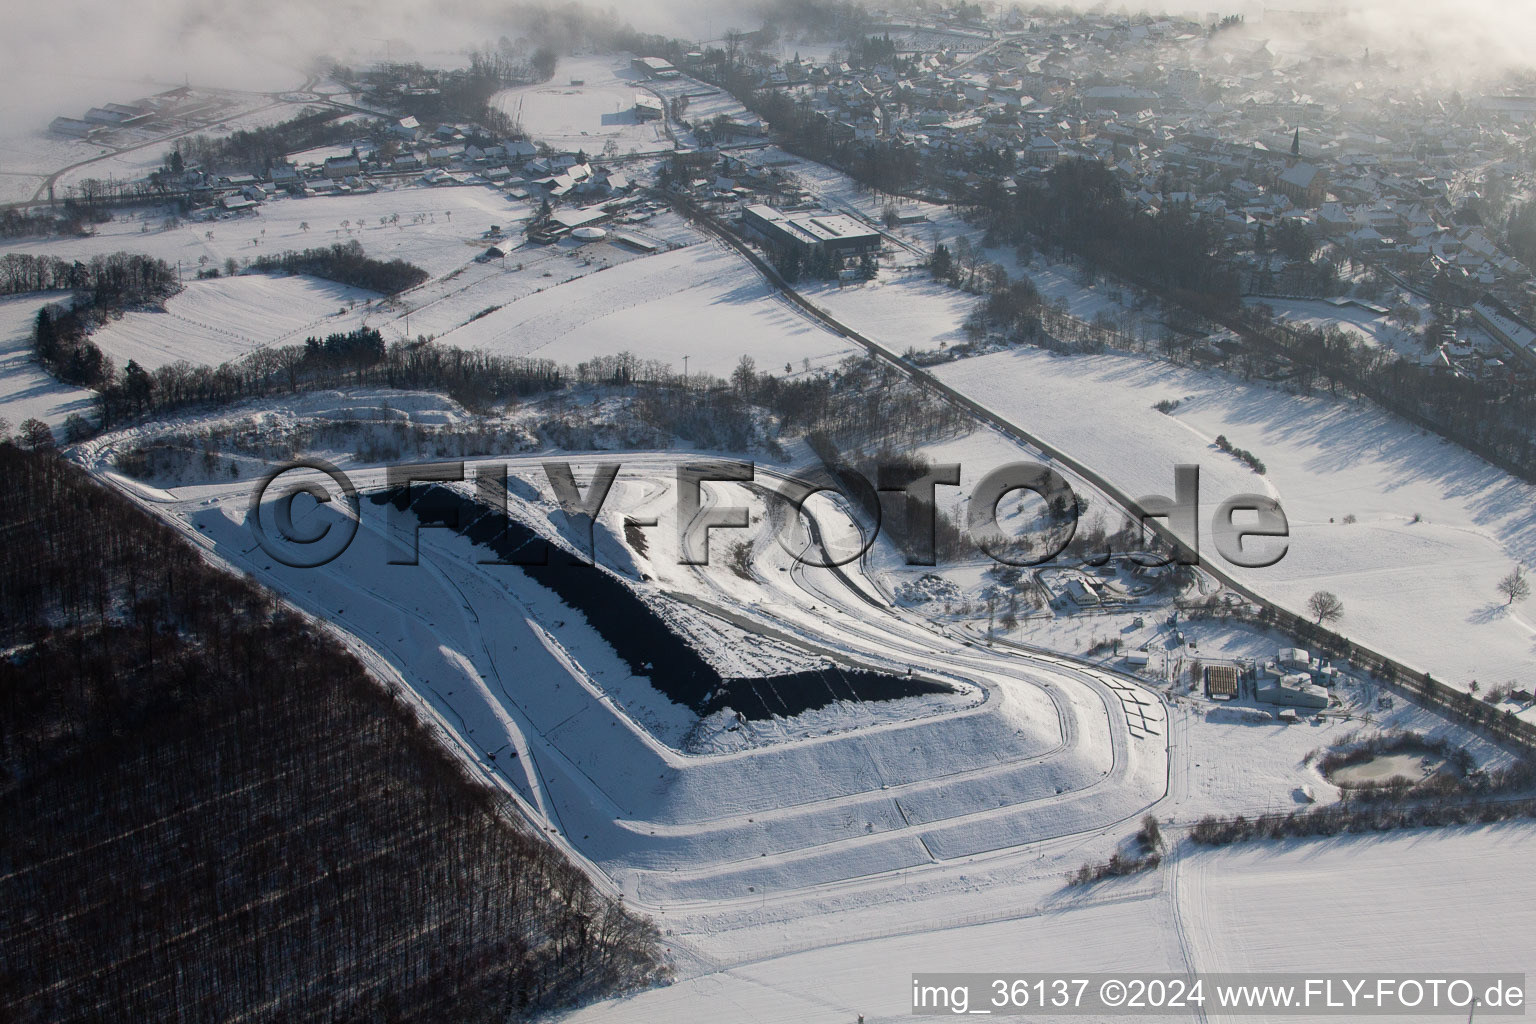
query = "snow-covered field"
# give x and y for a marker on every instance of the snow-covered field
(1441, 902)
(32, 153)
(221, 319)
(1435, 527)
(26, 389)
(438, 229)
(1370, 327)
(701, 301)
(906, 309)
(589, 116)
(453, 300)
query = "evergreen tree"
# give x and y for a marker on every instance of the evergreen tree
(47, 336)
(137, 385)
(942, 263)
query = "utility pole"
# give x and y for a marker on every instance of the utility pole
(685, 371)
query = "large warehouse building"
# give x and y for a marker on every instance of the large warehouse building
(654, 67)
(809, 230)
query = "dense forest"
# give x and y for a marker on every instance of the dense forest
(1081, 210)
(359, 357)
(212, 812)
(346, 263)
(72, 218)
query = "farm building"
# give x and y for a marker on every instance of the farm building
(577, 217)
(1221, 682)
(832, 233)
(634, 242)
(104, 115)
(71, 126)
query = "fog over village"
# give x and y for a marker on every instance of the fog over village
(766, 512)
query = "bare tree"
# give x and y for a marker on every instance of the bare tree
(1325, 606)
(1515, 586)
(733, 40)
(36, 435)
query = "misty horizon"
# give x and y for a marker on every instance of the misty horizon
(58, 56)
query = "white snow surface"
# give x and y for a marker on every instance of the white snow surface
(222, 319)
(1400, 902)
(590, 116)
(1022, 752)
(439, 229)
(804, 871)
(1419, 588)
(26, 389)
(700, 301)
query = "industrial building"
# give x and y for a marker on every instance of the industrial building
(654, 67)
(1293, 690)
(647, 108)
(810, 230)
(1294, 658)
